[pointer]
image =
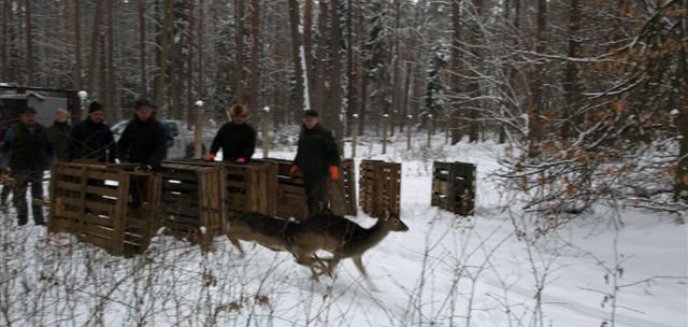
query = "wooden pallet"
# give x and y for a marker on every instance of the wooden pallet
(380, 188)
(92, 201)
(453, 187)
(193, 201)
(249, 188)
(290, 195)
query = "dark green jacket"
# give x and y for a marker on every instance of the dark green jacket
(58, 134)
(316, 152)
(28, 147)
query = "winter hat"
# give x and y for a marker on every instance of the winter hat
(28, 110)
(141, 103)
(310, 113)
(95, 106)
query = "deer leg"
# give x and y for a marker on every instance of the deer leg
(359, 265)
(237, 245)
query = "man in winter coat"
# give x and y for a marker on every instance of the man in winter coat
(59, 133)
(237, 139)
(92, 137)
(143, 140)
(30, 153)
(317, 158)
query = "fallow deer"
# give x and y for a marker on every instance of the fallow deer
(265, 230)
(256, 227)
(339, 236)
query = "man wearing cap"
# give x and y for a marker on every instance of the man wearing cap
(317, 158)
(92, 139)
(143, 140)
(30, 153)
(237, 139)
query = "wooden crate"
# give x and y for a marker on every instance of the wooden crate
(249, 188)
(380, 188)
(193, 201)
(92, 201)
(291, 199)
(453, 187)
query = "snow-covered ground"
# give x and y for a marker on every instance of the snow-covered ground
(445, 271)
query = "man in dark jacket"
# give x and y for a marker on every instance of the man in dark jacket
(237, 139)
(143, 140)
(30, 153)
(59, 133)
(317, 158)
(92, 138)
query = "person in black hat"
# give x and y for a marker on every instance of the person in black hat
(29, 153)
(317, 157)
(143, 140)
(92, 139)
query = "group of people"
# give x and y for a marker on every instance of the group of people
(317, 156)
(30, 148)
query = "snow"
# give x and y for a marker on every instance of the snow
(446, 270)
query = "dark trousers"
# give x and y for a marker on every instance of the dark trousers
(22, 179)
(5, 194)
(316, 193)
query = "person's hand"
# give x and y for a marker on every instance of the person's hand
(334, 173)
(293, 170)
(144, 168)
(209, 157)
(240, 160)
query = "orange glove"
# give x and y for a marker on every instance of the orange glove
(334, 173)
(240, 160)
(293, 170)
(209, 157)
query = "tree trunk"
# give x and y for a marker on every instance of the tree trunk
(4, 71)
(571, 84)
(254, 76)
(190, 65)
(173, 68)
(95, 49)
(78, 80)
(319, 89)
(536, 107)
(336, 82)
(309, 63)
(29, 43)
(111, 93)
(239, 95)
(351, 71)
(297, 97)
(142, 48)
(455, 107)
(163, 58)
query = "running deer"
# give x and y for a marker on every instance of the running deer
(256, 227)
(267, 231)
(339, 236)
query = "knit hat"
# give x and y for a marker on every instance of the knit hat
(95, 106)
(310, 113)
(144, 103)
(28, 110)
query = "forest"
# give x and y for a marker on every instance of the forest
(591, 96)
